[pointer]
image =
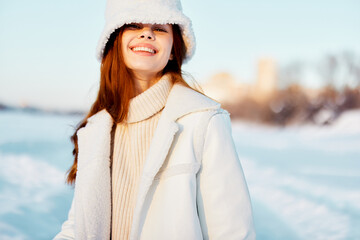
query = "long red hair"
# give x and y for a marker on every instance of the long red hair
(117, 87)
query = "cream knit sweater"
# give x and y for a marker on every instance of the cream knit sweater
(131, 144)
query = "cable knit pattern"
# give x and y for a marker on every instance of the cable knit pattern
(131, 144)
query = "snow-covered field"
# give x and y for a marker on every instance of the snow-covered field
(304, 181)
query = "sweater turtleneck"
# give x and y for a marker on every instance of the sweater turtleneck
(131, 143)
(150, 101)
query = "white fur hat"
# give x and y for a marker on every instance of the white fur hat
(120, 12)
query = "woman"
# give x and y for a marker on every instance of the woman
(154, 159)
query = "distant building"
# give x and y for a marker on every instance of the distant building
(266, 82)
(224, 88)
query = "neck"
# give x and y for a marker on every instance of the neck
(143, 81)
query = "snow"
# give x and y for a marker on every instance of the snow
(303, 180)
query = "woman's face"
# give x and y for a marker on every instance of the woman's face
(147, 47)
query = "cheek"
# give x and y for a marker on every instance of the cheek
(124, 49)
(169, 45)
(124, 42)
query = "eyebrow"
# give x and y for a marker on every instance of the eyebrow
(159, 25)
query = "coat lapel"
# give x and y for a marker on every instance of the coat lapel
(181, 101)
(159, 148)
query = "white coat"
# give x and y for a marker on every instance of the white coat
(192, 186)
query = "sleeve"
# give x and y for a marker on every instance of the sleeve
(67, 229)
(223, 200)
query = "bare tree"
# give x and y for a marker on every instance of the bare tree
(291, 74)
(352, 68)
(328, 69)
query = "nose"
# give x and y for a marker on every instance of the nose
(147, 33)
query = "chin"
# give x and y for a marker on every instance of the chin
(146, 68)
(151, 68)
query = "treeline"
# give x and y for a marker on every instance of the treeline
(32, 109)
(4, 107)
(293, 105)
(339, 72)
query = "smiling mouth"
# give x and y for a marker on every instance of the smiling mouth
(144, 49)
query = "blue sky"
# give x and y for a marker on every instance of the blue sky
(47, 50)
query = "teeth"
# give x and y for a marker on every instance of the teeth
(143, 49)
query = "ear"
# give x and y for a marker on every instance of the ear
(171, 57)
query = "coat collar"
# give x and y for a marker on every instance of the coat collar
(181, 101)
